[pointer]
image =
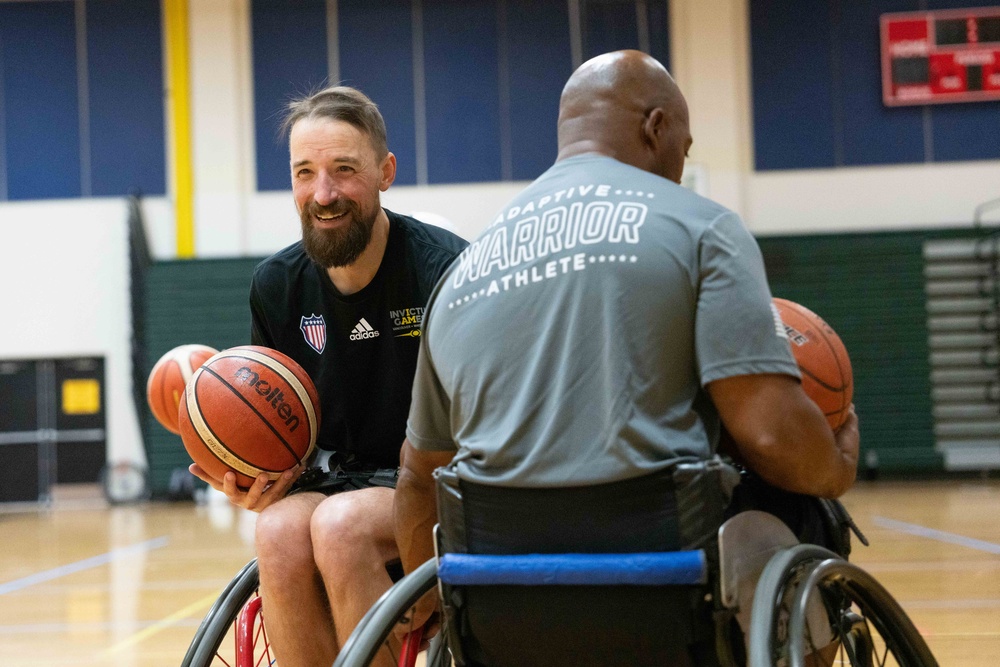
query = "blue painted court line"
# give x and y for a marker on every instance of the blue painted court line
(939, 535)
(80, 565)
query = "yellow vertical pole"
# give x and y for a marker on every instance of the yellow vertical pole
(175, 21)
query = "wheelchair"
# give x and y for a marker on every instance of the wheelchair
(236, 613)
(233, 633)
(799, 604)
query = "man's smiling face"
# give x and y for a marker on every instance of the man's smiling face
(336, 180)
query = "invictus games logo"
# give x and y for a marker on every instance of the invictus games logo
(406, 321)
(273, 395)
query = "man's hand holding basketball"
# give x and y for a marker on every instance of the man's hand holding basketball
(262, 493)
(848, 436)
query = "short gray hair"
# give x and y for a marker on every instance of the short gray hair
(341, 103)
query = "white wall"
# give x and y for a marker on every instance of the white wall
(81, 290)
(65, 277)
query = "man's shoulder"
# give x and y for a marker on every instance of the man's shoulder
(283, 266)
(425, 238)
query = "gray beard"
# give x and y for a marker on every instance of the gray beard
(340, 247)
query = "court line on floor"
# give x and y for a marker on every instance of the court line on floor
(148, 586)
(924, 565)
(169, 621)
(939, 535)
(77, 627)
(951, 604)
(80, 565)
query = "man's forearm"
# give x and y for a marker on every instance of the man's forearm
(415, 506)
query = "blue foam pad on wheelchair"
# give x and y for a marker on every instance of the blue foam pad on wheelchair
(638, 569)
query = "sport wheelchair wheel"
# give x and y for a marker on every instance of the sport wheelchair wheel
(864, 619)
(238, 608)
(374, 629)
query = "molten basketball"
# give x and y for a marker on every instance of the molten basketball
(822, 358)
(249, 409)
(168, 378)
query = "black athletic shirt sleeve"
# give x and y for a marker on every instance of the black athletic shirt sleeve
(361, 349)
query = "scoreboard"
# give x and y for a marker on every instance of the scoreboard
(941, 56)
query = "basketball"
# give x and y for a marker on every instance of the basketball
(822, 358)
(249, 409)
(168, 378)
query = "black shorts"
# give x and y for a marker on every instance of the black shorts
(813, 520)
(330, 482)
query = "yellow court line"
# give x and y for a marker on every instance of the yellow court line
(163, 624)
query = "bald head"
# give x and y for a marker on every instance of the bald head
(625, 105)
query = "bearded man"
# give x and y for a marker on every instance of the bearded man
(346, 303)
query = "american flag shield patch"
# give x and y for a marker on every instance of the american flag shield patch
(314, 331)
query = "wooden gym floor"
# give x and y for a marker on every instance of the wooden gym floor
(84, 584)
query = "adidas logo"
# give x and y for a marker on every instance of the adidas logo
(363, 330)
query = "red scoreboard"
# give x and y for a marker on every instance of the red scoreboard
(941, 56)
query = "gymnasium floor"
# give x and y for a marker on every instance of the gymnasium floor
(82, 584)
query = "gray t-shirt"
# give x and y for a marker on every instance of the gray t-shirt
(571, 342)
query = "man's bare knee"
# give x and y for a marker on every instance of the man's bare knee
(353, 528)
(282, 532)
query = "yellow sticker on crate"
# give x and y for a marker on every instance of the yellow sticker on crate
(81, 397)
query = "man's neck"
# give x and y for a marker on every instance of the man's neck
(356, 276)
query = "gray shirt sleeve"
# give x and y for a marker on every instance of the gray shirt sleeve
(429, 424)
(737, 329)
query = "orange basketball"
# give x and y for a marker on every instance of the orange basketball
(249, 409)
(826, 369)
(166, 382)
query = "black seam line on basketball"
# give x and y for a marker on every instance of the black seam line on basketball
(257, 412)
(306, 400)
(258, 361)
(821, 383)
(250, 464)
(840, 370)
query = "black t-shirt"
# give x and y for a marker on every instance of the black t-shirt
(361, 349)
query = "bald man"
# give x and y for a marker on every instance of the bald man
(619, 322)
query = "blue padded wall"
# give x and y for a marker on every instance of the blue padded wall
(872, 132)
(40, 100)
(658, 19)
(817, 91)
(966, 131)
(793, 95)
(44, 154)
(492, 72)
(384, 73)
(289, 60)
(608, 25)
(540, 60)
(125, 73)
(461, 55)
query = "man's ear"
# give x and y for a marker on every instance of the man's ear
(388, 169)
(653, 125)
